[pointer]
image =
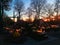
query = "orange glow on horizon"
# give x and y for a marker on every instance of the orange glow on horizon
(31, 19)
(46, 20)
(52, 17)
(15, 20)
(59, 17)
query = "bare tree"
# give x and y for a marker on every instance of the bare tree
(37, 5)
(48, 8)
(57, 5)
(18, 7)
(5, 5)
(14, 15)
(29, 12)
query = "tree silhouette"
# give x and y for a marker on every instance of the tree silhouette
(5, 5)
(18, 6)
(37, 5)
(48, 8)
(57, 7)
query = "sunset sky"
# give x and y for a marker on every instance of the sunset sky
(27, 4)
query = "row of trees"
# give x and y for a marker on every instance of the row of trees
(35, 6)
(39, 7)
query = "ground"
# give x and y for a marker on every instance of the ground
(53, 39)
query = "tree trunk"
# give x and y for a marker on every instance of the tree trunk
(1, 18)
(18, 19)
(14, 15)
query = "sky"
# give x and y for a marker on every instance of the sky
(26, 3)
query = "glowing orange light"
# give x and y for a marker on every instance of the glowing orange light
(59, 17)
(48, 19)
(45, 20)
(31, 19)
(6, 28)
(52, 17)
(43, 27)
(25, 18)
(39, 30)
(54, 26)
(17, 30)
(15, 20)
(11, 31)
